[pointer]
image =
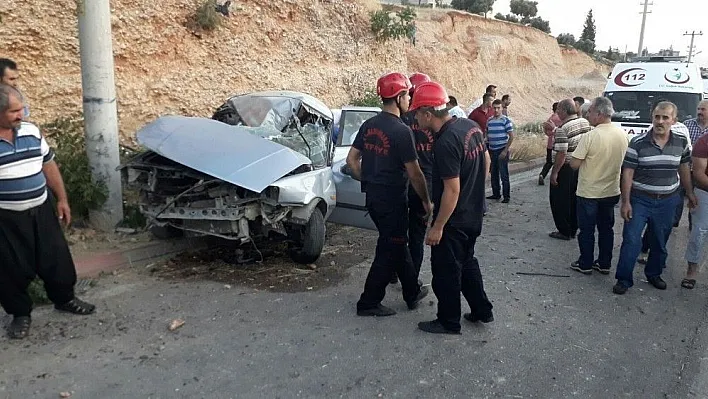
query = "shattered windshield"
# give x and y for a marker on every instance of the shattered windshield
(636, 106)
(283, 120)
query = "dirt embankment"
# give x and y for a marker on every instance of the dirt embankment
(322, 47)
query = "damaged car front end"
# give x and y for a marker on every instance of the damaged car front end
(258, 169)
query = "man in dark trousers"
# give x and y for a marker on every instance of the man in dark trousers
(383, 158)
(31, 239)
(564, 180)
(460, 166)
(416, 212)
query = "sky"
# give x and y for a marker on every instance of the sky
(619, 22)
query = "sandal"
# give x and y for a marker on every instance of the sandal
(559, 235)
(688, 283)
(20, 327)
(76, 306)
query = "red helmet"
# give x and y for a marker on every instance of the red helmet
(419, 78)
(430, 94)
(392, 85)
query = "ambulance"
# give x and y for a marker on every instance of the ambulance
(636, 87)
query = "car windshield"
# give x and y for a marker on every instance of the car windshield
(636, 106)
(286, 121)
(350, 123)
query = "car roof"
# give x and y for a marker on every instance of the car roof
(357, 108)
(309, 100)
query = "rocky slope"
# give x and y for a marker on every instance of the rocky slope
(322, 47)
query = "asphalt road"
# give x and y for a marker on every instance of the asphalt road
(554, 337)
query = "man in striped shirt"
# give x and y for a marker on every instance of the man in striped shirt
(698, 126)
(500, 135)
(655, 165)
(564, 180)
(31, 239)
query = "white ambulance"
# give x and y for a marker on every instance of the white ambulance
(636, 87)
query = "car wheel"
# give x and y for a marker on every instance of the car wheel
(165, 232)
(310, 246)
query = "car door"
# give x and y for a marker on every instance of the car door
(351, 202)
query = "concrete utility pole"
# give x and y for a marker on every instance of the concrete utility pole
(692, 48)
(644, 13)
(100, 113)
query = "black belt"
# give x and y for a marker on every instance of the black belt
(653, 195)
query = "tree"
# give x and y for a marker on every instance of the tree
(540, 24)
(524, 8)
(566, 38)
(473, 6)
(588, 37)
(507, 17)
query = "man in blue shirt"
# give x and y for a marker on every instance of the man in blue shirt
(500, 135)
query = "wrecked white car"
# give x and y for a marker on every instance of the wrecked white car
(260, 168)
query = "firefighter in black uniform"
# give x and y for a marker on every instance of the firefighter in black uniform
(383, 158)
(417, 223)
(460, 165)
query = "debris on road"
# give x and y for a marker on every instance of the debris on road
(175, 324)
(542, 274)
(65, 395)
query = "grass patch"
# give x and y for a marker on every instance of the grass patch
(528, 146)
(37, 293)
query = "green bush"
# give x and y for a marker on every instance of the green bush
(206, 16)
(368, 99)
(67, 137)
(535, 127)
(388, 26)
(37, 292)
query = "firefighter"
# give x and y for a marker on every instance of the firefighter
(416, 212)
(460, 165)
(384, 159)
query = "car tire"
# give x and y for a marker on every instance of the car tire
(309, 249)
(165, 232)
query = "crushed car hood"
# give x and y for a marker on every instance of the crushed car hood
(228, 153)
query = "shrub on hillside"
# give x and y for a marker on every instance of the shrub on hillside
(386, 25)
(368, 99)
(67, 138)
(206, 17)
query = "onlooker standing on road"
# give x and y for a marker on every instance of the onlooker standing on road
(500, 134)
(579, 101)
(482, 113)
(549, 128)
(650, 182)
(31, 239)
(698, 126)
(10, 75)
(506, 102)
(455, 109)
(384, 159)
(564, 180)
(697, 236)
(491, 89)
(459, 171)
(599, 157)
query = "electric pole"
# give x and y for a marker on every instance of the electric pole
(691, 48)
(644, 13)
(99, 103)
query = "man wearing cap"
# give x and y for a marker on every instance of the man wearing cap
(383, 158)
(460, 165)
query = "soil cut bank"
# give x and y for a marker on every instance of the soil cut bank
(321, 47)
